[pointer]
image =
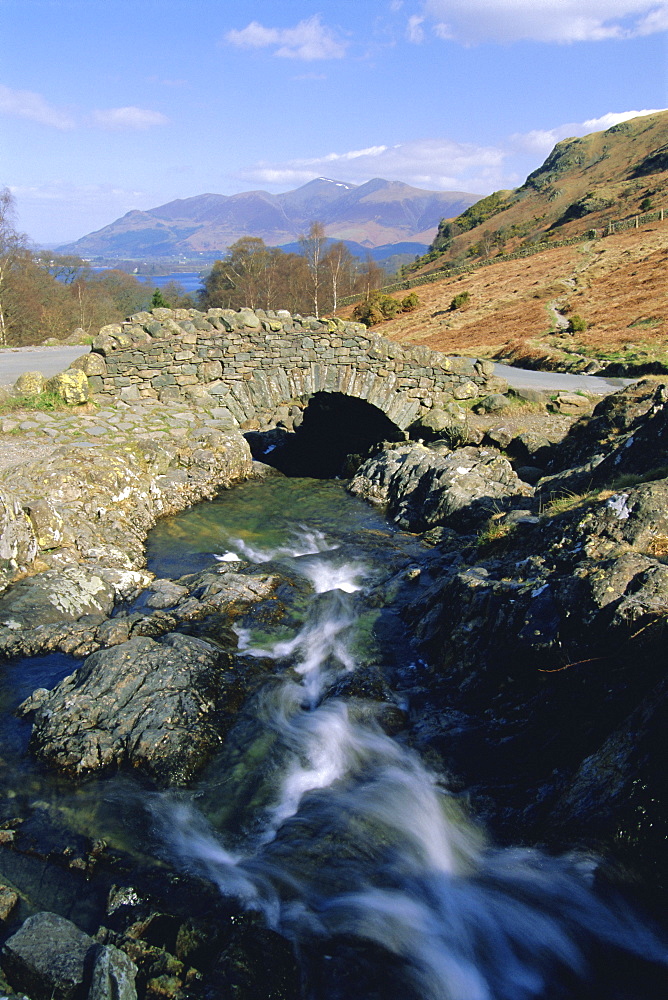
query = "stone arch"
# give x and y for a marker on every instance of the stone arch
(255, 401)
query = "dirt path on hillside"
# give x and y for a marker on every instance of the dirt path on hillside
(617, 285)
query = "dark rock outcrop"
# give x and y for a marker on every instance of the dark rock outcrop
(49, 958)
(425, 487)
(145, 704)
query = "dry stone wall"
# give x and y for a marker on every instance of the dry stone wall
(262, 366)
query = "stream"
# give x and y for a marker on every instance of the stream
(317, 814)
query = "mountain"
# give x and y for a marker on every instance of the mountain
(584, 183)
(373, 214)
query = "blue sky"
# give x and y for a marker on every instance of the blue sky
(111, 105)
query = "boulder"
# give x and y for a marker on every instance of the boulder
(70, 385)
(495, 401)
(90, 364)
(8, 901)
(612, 420)
(47, 958)
(423, 487)
(249, 319)
(30, 383)
(57, 595)
(113, 976)
(146, 704)
(47, 524)
(529, 395)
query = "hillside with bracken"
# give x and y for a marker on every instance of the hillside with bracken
(600, 303)
(584, 183)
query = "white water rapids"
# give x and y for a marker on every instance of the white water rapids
(363, 840)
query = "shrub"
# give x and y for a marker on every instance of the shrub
(410, 302)
(461, 299)
(576, 324)
(376, 309)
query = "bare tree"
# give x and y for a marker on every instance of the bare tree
(313, 246)
(13, 251)
(339, 265)
(370, 276)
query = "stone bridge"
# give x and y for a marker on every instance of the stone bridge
(266, 366)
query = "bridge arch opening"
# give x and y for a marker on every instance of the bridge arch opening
(337, 433)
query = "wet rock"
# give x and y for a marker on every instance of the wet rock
(250, 950)
(547, 647)
(47, 958)
(143, 704)
(8, 901)
(113, 976)
(165, 594)
(423, 488)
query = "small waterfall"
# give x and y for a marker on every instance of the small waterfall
(362, 839)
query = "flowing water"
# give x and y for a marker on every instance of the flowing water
(319, 816)
(347, 832)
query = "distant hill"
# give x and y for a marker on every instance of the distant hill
(390, 256)
(584, 183)
(373, 214)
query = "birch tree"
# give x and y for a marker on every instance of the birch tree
(314, 245)
(13, 251)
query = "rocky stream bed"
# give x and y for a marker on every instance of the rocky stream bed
(404, 739)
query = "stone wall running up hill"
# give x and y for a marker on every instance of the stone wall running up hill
(259, 364)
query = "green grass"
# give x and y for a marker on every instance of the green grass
(568, 502)
(494, 535)
(632, 479)
(649, 321)
(42, 402)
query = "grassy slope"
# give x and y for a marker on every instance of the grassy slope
(583, 184)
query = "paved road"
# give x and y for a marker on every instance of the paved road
(51, 360)
(47, 360)
(521, 378)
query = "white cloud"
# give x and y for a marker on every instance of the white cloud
(436, 164)
(545, 20)
(308, 40)
(614, 118)
(27, 104)
(414, 29)
(128, 118)
(541, 141)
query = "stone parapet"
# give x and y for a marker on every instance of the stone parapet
(256, 362)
